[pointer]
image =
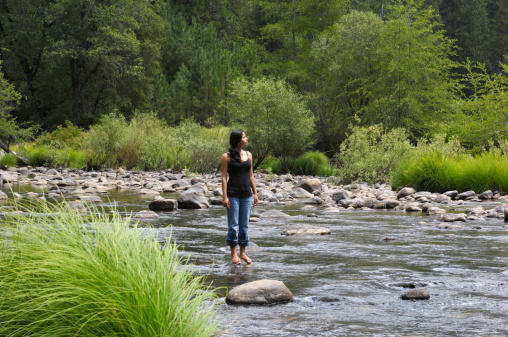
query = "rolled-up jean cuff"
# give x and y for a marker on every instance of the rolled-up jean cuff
(234, 244)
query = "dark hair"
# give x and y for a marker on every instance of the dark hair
(234, 138)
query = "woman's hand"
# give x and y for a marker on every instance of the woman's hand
(225, 202)
(255, 200)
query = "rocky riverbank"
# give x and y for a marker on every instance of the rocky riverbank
(202, 191)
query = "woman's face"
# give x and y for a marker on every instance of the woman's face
(245, 140)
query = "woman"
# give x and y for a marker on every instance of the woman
(238, 192)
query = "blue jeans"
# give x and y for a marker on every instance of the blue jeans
(238, 221)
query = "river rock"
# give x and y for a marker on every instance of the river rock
(442, 199)
(274, 214)
(305, 229)
(391, 203)
(3, 196)
(465, 195)
(145, 215)
(90, 198)
(406, 191)
(434, 211)
(300, 193)
(260, 292)
(417, 294)
(310, 185)
(67, 182)
(315, 201)
(161, 204)
(452, 217)
(148, 192)
(192, 199)
(413, 208)
(486, 195)
(452, 194)
(340, 195)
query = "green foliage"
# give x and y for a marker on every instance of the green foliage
(393, 71)
(370, 153)
(68, 136)
(315, 164)
(105, 140)
(92, 275)
(440, 173)
(65, 157)
(8, 160)
(273, 115)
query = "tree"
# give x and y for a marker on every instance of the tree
(273, 115)
(393, 71)
(10, 130)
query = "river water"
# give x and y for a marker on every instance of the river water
(349, 283)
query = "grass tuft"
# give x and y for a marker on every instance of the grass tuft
(8, 160)
(91, 275)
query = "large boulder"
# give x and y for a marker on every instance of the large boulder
(310, 185)
(465, 195)
(161, 204)
(192, 199)
(486, 195)
(391, 203)
(300, 193)
(305, 229)
(340, 195)
(406, 191)
(260, 292)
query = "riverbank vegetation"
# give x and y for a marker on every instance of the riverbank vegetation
(153, 85)
(91, 274)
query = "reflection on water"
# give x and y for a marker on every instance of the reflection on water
(349, 283)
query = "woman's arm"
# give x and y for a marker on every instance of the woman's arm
(224, 161)
(253, 181)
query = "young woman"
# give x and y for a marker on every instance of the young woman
(239, 193)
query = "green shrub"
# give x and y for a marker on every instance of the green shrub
(8, 160)
(68, 136)
(371, 153)
(314, 164)
(75, 275)
(440, 173)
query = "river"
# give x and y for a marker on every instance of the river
(349, 283)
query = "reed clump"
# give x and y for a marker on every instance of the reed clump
(77, 273)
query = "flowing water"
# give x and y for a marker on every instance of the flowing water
(349, 283)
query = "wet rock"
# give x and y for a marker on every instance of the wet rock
(406, 191)
(216, 201)
(413, 209)
(300, 193)
(76, 204)
(310, 185)
(416, 295)
(378, 204)
(326, 299)
(434, 211)
(465, 195)
(145, 215)
(260, 292)
(314, 201)
(148, 192)
(252, 248)
(305, 229)
(452, 217)
(90, 198)
(340, 195)
(486, 195)
(330, 210)
(391, 203)
(3, 196)
(192, 199)
(389, 238)
(161, 204)
(120, 171)
(451, 194)
(442, 199)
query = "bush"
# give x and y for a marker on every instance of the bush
(8, 160)
(68, 136)
(371, 153)
(440, 173)
(69, 275)
(314, 164)
(54, 157)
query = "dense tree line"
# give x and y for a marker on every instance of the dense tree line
(402, 63)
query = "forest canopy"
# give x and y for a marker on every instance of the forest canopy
(428, 66)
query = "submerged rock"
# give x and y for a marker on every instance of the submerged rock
(305, 229)
(145, 215)
(260, 292)
(161, 204)
(416, 295)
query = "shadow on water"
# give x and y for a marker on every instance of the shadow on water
(349, 283)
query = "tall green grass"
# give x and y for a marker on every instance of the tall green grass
(439, 173)
(90, 275)
(8, 160)
(314, 163)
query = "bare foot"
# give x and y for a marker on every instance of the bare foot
(245, 258)
(236, 259)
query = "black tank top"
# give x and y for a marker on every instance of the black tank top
(239, 183)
